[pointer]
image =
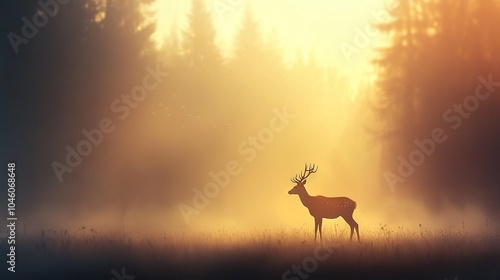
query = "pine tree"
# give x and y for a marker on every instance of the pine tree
(199, 40)
(249, 50)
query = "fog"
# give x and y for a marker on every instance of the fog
(115, 123)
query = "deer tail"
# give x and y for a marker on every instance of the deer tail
(355, 204)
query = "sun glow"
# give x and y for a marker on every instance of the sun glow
(299, 27)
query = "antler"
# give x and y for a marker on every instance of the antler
(307, 171)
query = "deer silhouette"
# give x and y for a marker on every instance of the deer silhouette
(324, 207)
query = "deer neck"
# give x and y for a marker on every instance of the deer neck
(305, 198)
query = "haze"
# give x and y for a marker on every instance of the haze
(255, 91)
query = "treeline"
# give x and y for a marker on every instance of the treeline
(433, 82)
(65, 61)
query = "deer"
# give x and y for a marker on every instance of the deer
(323, 207)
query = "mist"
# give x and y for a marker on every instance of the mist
(197, 135)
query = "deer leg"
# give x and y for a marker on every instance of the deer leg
(353, 224)
(356, 226)
(352, 231)
(315, 228)
(320, 226)
(350, 221)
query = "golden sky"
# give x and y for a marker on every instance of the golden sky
(321, 26)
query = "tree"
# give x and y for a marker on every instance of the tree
(199, 40)
(248, 46)
(63, 81)
(438, 49)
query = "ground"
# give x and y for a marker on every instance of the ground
(387, 253)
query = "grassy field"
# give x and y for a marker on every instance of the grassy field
(388, 253)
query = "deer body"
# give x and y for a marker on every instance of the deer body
(324, 207)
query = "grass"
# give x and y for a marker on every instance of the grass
(388, 253)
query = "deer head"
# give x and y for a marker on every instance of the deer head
(300, 180)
